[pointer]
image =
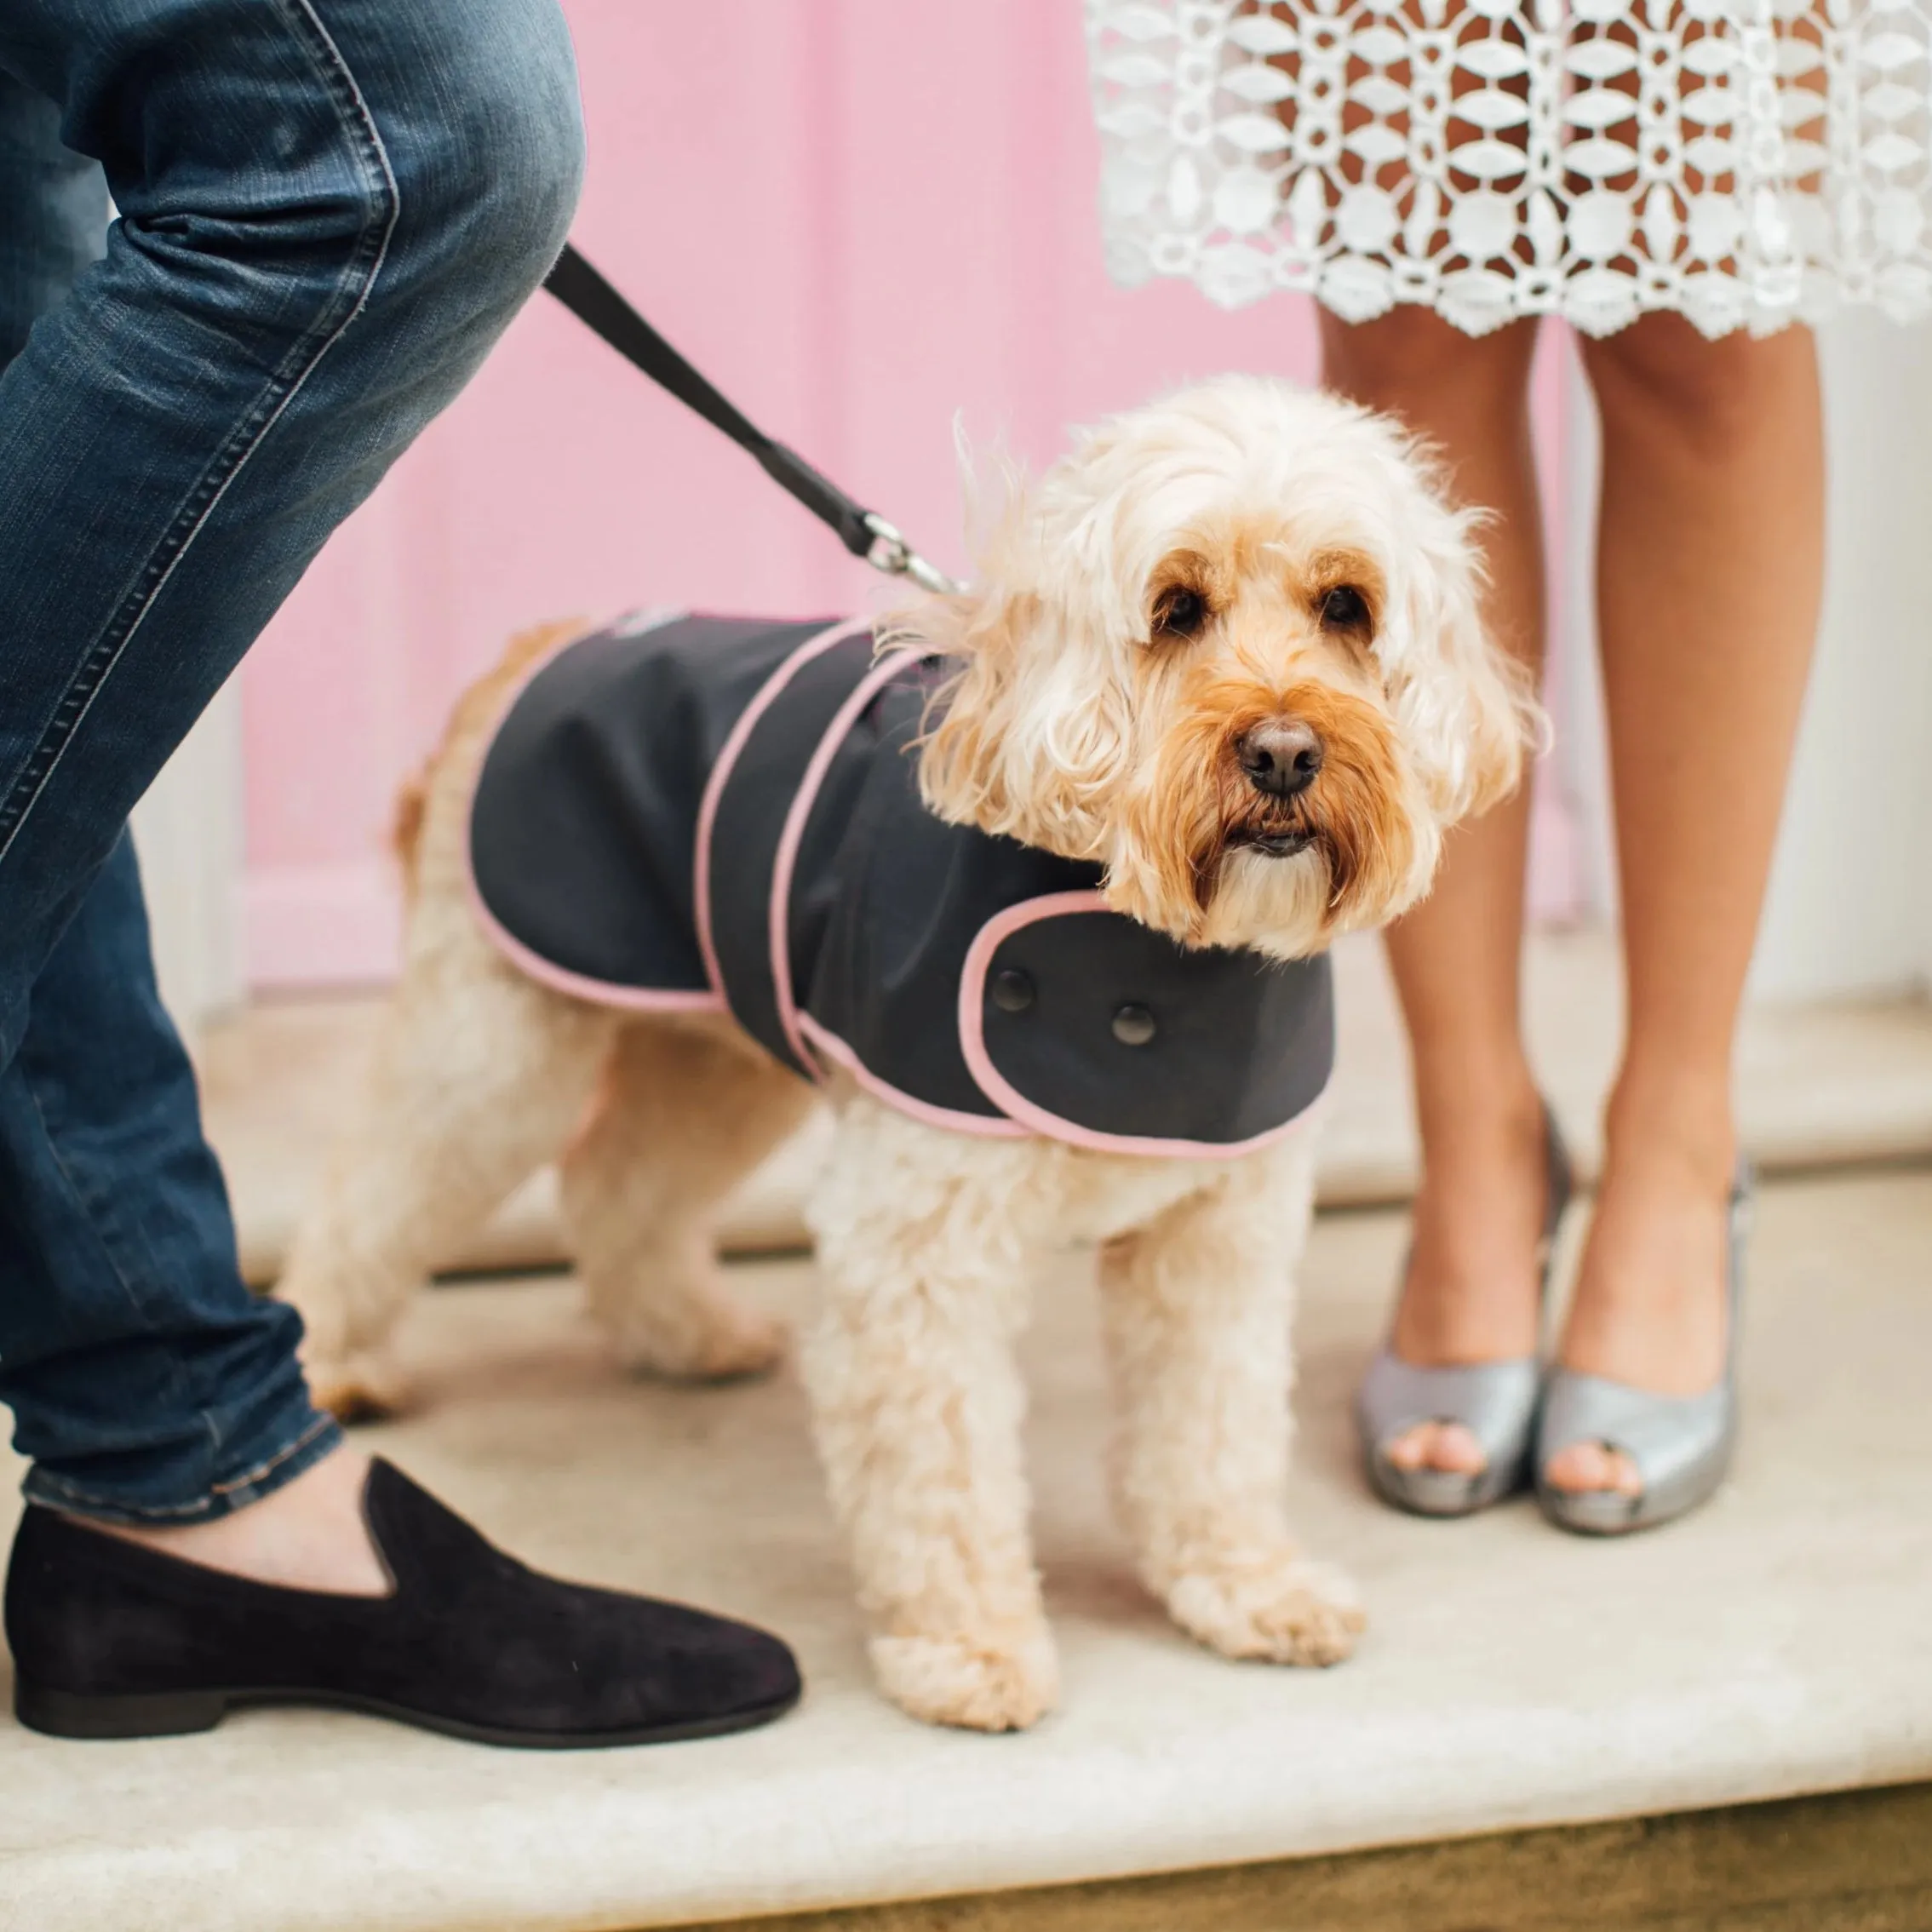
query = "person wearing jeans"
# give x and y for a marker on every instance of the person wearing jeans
(328, 212)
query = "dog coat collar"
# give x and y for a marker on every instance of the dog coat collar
(703, 813)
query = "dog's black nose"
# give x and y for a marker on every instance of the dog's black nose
(1280, 756)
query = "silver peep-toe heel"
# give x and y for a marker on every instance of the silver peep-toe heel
(1494, 1400)
(1681, 1444)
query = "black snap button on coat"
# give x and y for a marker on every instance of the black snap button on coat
(1012, 991)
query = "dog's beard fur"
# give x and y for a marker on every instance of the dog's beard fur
(1189, 857)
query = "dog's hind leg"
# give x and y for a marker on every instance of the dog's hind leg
(480, 1076)
(1199, 1305)
(683, 1115)
(925, 1239)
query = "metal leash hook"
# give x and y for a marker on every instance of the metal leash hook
(892, 553)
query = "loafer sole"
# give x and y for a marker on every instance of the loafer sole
(157, 1714)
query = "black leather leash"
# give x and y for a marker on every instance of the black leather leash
(865, 533)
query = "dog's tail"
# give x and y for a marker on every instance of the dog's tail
(405, 834)
(472, 721)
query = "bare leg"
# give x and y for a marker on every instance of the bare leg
(1471, 1294)
(1709, 564)
(479, 1078)
(682, 1117)
(925, 1240)
(1199, 1309)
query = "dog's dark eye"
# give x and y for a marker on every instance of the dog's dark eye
(1179, 612)
(1344, 609)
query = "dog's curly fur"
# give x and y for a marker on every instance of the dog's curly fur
(1238, 554)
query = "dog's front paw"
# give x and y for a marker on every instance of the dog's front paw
(1283, 1609)
(365, 1386)
(978, 1685)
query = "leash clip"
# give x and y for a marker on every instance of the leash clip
(889, 552)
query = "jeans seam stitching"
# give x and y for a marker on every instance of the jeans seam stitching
(251, 1477)
(358, 276)
(74, 1493)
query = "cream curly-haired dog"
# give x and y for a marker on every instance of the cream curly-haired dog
(1228, 652)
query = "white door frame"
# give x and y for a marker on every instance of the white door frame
(1850, 908)
(189, 831)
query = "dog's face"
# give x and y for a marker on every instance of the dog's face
(1229, 648)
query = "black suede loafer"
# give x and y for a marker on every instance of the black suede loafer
(112, 1639)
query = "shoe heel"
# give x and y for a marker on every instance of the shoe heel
(160, 1714)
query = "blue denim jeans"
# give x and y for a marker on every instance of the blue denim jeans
(329, 210)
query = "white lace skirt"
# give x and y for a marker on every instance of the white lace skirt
(1747, 162)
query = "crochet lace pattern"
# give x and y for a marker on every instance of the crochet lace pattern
(1746, 162)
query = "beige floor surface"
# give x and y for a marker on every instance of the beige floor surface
(1815, 1086)
(1777, 1642)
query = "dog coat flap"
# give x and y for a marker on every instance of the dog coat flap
(973, 977)
(1086, 1026)
(883, 930)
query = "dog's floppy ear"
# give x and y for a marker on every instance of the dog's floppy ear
(1031, 733)
(962, 773)
(1029, 737)
(977, 631)
(1469, 708)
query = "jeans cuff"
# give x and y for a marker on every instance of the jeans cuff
(317, 1438)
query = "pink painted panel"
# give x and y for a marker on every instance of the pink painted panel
(863, 219)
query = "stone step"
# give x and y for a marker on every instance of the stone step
(1777, 1644)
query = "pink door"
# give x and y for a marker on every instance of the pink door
(861, 219)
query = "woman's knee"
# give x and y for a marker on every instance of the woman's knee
(1660, 370)
(1413, 362)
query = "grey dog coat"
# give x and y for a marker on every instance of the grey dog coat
(706, 813)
